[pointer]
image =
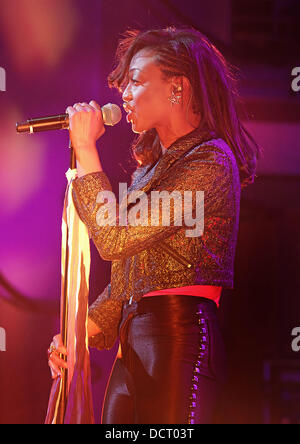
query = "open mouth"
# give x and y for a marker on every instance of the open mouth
(129, 111)
(130, 117)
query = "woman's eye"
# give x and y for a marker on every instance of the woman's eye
(134, 81)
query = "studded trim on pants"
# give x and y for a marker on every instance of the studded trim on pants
(202, 359)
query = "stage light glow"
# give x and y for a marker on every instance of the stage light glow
(32, 32)
(22, 164)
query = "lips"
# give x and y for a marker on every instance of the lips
(129, 117)
(127, 107)
(129, 112)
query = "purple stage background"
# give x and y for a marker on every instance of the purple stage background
(59, 52)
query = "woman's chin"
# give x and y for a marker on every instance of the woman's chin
(136, 128)
(139, 128)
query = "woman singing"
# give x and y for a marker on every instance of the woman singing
(180, 97)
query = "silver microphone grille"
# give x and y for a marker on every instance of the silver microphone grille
(111, 114)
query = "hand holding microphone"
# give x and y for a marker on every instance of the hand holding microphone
(86, 126)
(85, 123)
(111, 116)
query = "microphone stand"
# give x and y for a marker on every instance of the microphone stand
(64, 308)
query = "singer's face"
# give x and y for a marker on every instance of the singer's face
(146, 94)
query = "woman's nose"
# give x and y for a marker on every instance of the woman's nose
(127, 96)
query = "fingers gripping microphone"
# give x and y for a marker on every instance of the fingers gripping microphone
(111, 114)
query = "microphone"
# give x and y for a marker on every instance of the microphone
(111, 114)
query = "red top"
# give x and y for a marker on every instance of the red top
(203, 291)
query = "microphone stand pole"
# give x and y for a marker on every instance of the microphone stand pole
(64, 308)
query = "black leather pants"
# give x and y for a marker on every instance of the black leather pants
(172, 364)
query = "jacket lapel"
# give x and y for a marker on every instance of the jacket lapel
(147, 180)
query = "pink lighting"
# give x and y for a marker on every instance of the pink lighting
(38, 32)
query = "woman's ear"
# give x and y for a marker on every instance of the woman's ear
(185, 83)
(177, 84)
(181, 86)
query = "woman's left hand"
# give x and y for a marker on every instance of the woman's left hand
(86, 126)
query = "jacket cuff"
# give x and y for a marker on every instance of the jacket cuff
(106, 315)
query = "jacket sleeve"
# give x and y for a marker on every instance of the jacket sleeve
(203, 170)
(105, 312)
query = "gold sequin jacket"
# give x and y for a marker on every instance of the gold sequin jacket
(148, 258)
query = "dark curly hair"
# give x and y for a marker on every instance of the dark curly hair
(187, 52)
